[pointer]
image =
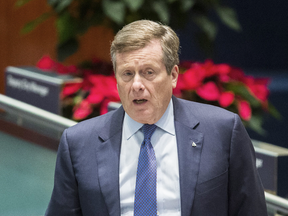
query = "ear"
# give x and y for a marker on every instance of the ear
(174, 75)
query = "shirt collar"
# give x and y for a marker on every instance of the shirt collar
(166, 122)
(130, 126)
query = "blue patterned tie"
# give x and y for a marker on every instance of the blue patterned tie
(145, 203)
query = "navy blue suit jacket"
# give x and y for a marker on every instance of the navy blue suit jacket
(217, 177)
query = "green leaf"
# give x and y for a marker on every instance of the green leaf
(206, 25)
(66, 27)
(77, 99)
(160, 7)
(241, 89)
(228, 17)
(67, 48)
(63, 4)
(20, 3)
(59, 5)
(114, 10)
(274, 112)
(186, 5)
(34, 23)
(255, 124)
(53, 2)
(134, 5)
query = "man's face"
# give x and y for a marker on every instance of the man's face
(144, 86)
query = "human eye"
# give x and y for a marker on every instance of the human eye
(149, 74)
(127, 75)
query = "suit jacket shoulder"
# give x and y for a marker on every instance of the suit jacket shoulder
(87, 168)
(104, 126)
(227, 181)
(192, 113)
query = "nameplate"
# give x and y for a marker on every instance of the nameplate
(36, 87)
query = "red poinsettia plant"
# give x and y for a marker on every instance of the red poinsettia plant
(90, 96)
(228, 87)
(217, 84)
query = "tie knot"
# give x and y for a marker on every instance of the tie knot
(148, 130)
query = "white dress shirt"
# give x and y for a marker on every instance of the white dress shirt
(165, 147)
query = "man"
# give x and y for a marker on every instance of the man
(198, 159)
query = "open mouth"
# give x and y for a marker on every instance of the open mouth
(139, 101)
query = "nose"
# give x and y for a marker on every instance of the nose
(138, 83)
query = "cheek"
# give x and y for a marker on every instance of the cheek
(122, 92)
(159, 93)
(163, 93)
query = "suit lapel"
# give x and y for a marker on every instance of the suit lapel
(189, 156)
(108, 154)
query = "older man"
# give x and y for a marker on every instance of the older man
(156, 155)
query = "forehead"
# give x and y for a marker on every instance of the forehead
(152, 52)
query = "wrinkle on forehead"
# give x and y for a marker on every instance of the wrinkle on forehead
(139, 57)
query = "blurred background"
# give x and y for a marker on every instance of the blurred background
(255, 40)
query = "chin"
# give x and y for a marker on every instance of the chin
(144, 119)
(147, 120)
